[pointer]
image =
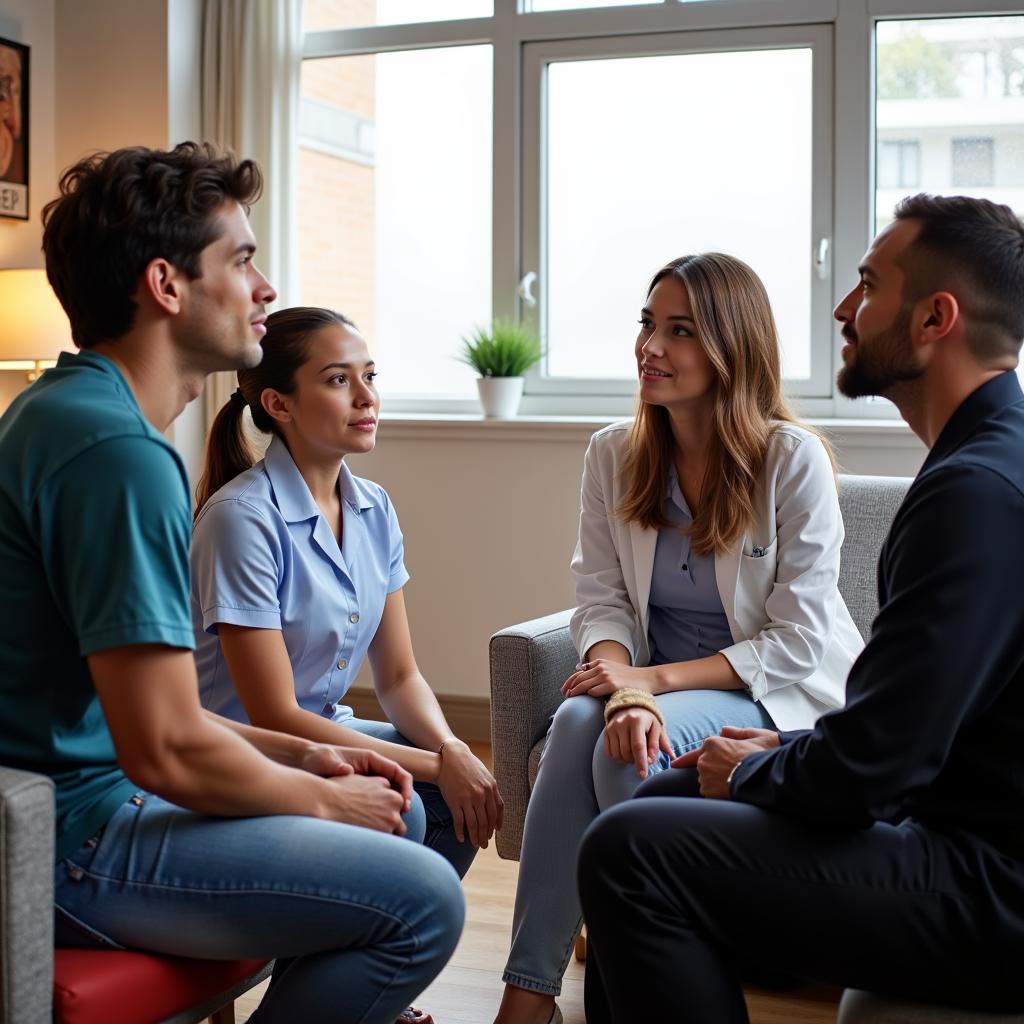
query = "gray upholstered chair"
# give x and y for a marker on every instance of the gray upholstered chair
(530, 661)
(27, 992)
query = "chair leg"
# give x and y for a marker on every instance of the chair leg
(225, 1015)
(581, 946)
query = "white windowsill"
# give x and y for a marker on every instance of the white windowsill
(860, 433)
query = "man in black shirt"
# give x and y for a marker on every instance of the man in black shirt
(884, 849)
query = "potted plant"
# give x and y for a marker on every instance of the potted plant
(501, 356)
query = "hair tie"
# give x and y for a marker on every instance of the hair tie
(238, 398)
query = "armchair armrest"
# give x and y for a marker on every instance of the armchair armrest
(529, 662)
(26, 897)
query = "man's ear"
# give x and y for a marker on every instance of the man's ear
(276, 405)
(162, 282)
(936, 317)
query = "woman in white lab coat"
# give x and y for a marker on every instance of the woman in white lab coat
(706, 588)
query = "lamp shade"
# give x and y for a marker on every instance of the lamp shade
(33, 325)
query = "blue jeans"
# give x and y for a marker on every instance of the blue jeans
(440, 835)
(576, 782)
(358, 921)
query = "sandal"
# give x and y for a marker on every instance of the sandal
(413, 1015)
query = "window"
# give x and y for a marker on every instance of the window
(395, 206)
(663, 179)
(541, 158)
(973, 162)
(334, 14)
(939, 80)
(899, 163)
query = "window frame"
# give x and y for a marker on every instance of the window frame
(852, 132)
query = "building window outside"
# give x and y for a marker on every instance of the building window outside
(973, 162)
(899, 164)
(955, 88)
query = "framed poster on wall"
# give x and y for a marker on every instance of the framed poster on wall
(13, 130)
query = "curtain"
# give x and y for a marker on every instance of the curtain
(251, 62)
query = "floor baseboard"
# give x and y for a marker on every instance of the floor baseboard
(469, 717)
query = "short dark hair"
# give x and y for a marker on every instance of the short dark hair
(118, 211)
(974, 249)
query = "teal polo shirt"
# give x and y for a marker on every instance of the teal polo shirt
(94, 538)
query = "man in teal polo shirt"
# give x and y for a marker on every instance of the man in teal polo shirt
(178, 831)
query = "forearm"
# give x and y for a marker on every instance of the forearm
(412, 708)
(711, 673)
(216, 768)
(610, 650)
(303, 726)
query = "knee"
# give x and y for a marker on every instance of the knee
(444, 906)
(673, 782)
(577, 722)
(614, 781)
(415, 820)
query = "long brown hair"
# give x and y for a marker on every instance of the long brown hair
(735, 326)
(285, 348)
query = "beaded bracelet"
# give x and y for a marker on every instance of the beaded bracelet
(631, 697)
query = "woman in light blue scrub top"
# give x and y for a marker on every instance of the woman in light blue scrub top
(298, 570)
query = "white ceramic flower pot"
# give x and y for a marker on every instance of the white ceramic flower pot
(499, 396)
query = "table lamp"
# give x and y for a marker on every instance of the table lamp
(34, 328)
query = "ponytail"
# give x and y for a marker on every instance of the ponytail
(228, 452)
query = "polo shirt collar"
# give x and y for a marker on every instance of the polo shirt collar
(99, 362)
(294, 499)
(992, 397)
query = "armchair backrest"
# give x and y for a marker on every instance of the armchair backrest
(26, 897)
(868, 504)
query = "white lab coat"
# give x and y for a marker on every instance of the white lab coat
(793, 638)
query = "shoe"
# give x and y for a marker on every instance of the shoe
(413, 1015)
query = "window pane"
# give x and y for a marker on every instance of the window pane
(328, 14)
(954, 89)
(395, 205)
(577, 5)
(640, 171)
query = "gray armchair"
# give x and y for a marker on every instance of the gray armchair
(26, 930)
(26, 897)
(530, 661)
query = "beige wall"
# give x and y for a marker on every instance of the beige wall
(111, 75)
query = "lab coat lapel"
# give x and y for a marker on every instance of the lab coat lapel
(727, 572)
(643, 542)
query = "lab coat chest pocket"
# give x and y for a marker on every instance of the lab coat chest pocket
(754, 584)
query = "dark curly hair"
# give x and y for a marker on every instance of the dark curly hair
(118, 211)
(973, 248)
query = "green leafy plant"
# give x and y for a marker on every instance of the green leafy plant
(508, 349)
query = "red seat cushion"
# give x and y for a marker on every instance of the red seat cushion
(114, 987)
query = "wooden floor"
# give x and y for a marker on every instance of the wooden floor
(468, 990)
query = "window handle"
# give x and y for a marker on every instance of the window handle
(525, 289)
(821, 258)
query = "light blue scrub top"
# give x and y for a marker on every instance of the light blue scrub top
(686, 617)
(264, 556)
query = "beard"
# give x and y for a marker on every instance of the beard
(876, 364)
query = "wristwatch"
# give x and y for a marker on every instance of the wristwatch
(728, 781)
